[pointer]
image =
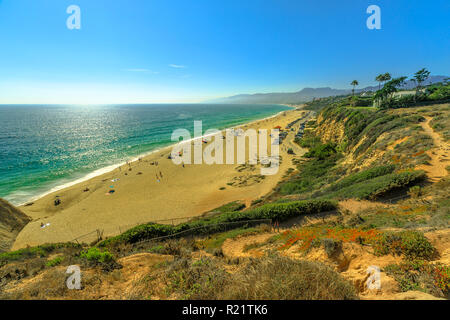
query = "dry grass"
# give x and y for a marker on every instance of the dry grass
(270, 278)
(48, 285)
(281, 278)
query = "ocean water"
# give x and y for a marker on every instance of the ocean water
(43, 148)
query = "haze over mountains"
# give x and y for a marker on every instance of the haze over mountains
(306, 94)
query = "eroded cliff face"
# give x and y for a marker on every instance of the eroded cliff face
(374, 137)
(377, 148)
(329, 130)
(12, 221)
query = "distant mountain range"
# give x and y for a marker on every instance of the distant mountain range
(306, 94)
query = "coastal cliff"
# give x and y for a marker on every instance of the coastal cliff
(12, 221)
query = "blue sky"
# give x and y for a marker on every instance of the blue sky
(139, 51)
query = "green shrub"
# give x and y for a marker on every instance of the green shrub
(284, 211)
(432, 278)
(257, 201)
(94, 254)
(363, 102)
(313, 174)
(331, 246)
(54, 262)
(440, 93)
(321, 151)
(32, 252)
(230, 207)
(157, 249)
(416, 246)
(412, 244)
(309, 141)
(218, 223)
(379, 186)
(415, 191)
(361, 177)
(141, 232)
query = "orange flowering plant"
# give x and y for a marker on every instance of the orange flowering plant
(309, 236)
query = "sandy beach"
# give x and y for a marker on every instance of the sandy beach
(152, 189)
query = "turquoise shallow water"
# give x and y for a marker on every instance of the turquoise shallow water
(43, 147)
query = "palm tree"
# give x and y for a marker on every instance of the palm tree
(387, 77)
(384, 77)
(354, 84)
(379, 78)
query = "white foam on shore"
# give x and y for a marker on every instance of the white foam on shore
(87, 177)
(91, 175)
(111, 168)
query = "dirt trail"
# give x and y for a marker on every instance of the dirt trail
(299, 151)
(436, 170)
(234, 248)
(357, 205)
(396, 143)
